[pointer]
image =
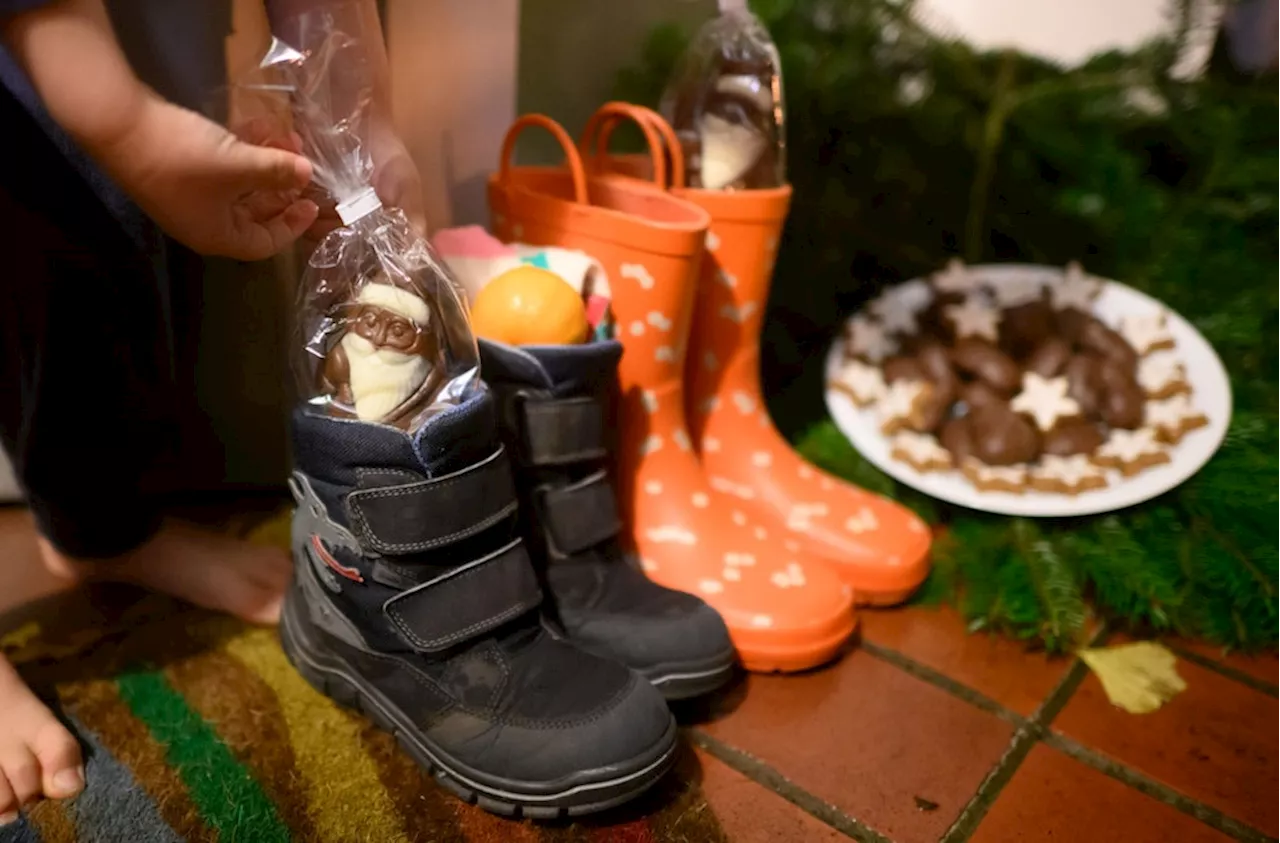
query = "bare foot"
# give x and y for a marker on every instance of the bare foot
(38, 757)
(202, 567)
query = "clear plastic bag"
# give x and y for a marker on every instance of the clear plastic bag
(383, 333)
(725, 102)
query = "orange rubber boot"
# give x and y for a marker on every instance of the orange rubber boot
(877, 546)
(784, 609)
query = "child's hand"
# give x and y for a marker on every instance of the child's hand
(207, 188)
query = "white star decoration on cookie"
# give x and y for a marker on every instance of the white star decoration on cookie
(898, 308)
(1161, 374)
(1174, 417)
(868, 339)
(1017, 290)
(974, 318)
(956, 278)
(1076, 290)
(900, 400)
(864, 383)
(920, 450)
(1014, 475)
(1045, 400)
(1073, 471)
(1146, 333)
(1129, 445)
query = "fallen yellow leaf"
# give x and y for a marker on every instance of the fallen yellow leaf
(1138, 677)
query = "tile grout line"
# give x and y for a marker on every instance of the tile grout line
(1024, 739)
(942, 681)
(1159, 791)
(766, 776)
(1226, 670)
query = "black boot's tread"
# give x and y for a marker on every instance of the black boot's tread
(328, 675)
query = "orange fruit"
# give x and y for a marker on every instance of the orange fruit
(529, 306)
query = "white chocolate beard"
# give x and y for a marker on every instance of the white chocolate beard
(381, 378)
(728, 151)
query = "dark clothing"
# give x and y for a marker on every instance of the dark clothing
(88, 363)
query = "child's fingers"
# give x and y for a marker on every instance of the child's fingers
(263, 168)
(260, 239)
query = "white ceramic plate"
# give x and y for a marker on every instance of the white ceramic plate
(1211, 395)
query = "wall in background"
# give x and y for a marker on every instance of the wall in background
(572, 50)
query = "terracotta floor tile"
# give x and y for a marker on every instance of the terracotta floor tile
(1215, 742)
(749, 813)
(872, 740)
(1055, 798)
(1263, 666)
(997, 666)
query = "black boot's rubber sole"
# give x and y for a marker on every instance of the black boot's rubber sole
(333, 677)
(683, 681)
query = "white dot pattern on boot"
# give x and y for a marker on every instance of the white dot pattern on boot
(653, 487)
(825, 484)
(761, 621)
(681, 439)
(915, 525)
(864, 522)
(731, 574)
(710, 586)
(701, 500)
(637, 328)
(713, 241)
(649, 400)
(709, 362)
(651, 444)
(636, 272)
(762, 459)
(711, 444)
(805, 472)
(671, 534)
(648, 565)
(739, 560)
(792, 577)
(738, 313)
(727, 278)
(710, 405)
(791, 545)
(801, 516)
(658, 321)
(728, 487)
(744, 402)
(665, 354)
(739, 518)
(760, 533)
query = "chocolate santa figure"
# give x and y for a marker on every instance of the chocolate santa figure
(725, 103)
(388, 363)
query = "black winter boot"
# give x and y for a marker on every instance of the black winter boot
(415, 601)
(552, 402)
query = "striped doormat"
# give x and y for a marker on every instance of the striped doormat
(195, 727)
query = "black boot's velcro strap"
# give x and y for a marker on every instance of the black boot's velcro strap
(468, 602)
(414, 517)
(580, 515)
(561, 431)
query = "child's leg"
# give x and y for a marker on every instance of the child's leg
(87, 416)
